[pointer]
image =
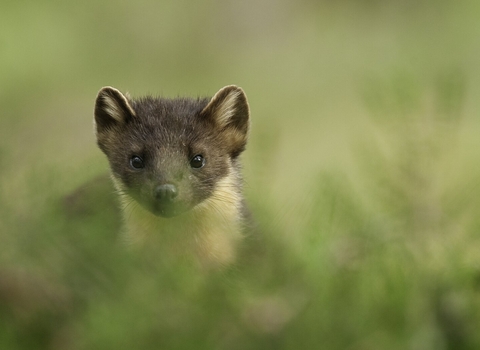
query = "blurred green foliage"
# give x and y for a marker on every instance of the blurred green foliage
(362, 173)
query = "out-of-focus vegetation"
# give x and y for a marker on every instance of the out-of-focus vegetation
(362, 172)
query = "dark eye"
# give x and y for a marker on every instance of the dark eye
(197, 162)
(136, 162)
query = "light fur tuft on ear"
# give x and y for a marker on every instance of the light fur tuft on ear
(111, 107)
(229, 108)
(229, 111)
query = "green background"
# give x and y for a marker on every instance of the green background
(362, 171)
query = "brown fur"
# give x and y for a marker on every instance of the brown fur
(206, 217)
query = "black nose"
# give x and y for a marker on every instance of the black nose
(165, 193)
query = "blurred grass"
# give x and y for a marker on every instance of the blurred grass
(362, 172)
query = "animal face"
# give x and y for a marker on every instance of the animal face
(168, 154)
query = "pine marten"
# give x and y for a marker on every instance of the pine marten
(175, 165)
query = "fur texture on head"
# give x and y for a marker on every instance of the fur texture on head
(175, 164)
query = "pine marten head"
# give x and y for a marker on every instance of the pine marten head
(168, 154)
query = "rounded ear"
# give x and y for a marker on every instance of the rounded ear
(230, 113)
(111, 108)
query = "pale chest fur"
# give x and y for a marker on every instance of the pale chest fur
(208, 234)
